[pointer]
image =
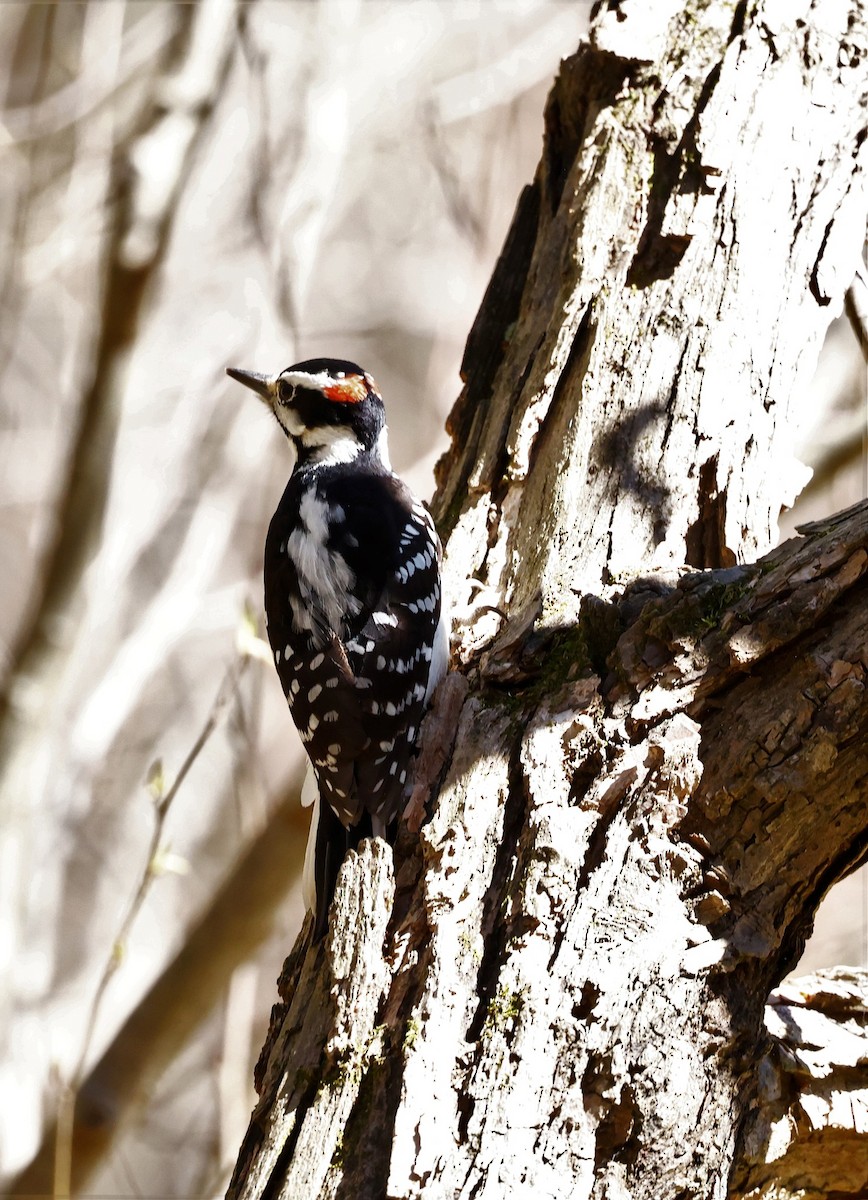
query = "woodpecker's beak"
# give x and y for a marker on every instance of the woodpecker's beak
(261, 384)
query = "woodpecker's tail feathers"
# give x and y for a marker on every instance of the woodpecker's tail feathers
(332, 841)
(328, 843)
(310, 798)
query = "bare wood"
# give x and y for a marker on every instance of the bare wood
(657, 771)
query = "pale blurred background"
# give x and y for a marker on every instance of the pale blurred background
(185, 187)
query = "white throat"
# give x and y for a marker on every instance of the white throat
(329, 445)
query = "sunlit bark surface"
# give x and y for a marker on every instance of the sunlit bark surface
(656, 751)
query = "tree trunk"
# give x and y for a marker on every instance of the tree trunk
(656, 759)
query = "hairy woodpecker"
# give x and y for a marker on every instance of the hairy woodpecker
(352, 607)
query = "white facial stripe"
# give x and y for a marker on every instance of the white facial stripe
(321, 380)
(303, 379)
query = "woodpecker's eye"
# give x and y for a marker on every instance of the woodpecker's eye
(285, 391)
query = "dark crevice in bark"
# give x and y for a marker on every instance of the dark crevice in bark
(587, 1002)
(579, 353)
(617, 1137)
(408, 871)
(500, 305)
(602, 625)
(295, 1116)
(366, 1142)
(253, 1140)
(814, 282)
(465, 1104)
(488, 337)
(494, 928)
(500, 480)
(676, 171)
(273, 1187)
(736, 29)
(288, 977)
(657, 256)
(478, 1186)
(594, 854)
(598, 840)
(499, 483)
(584, 775)
(705, 543)
(587, 82)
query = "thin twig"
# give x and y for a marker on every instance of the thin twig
(66, 1107)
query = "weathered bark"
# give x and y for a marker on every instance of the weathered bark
(183, 187)
(807, 1136)
(657, 772)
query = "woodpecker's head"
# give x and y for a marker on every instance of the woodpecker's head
(329, 408)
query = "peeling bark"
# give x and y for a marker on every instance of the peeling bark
(806, 1137)
(660, 757)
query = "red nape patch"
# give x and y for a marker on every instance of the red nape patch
(351, 390)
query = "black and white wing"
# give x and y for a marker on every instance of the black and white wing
(361, 652)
